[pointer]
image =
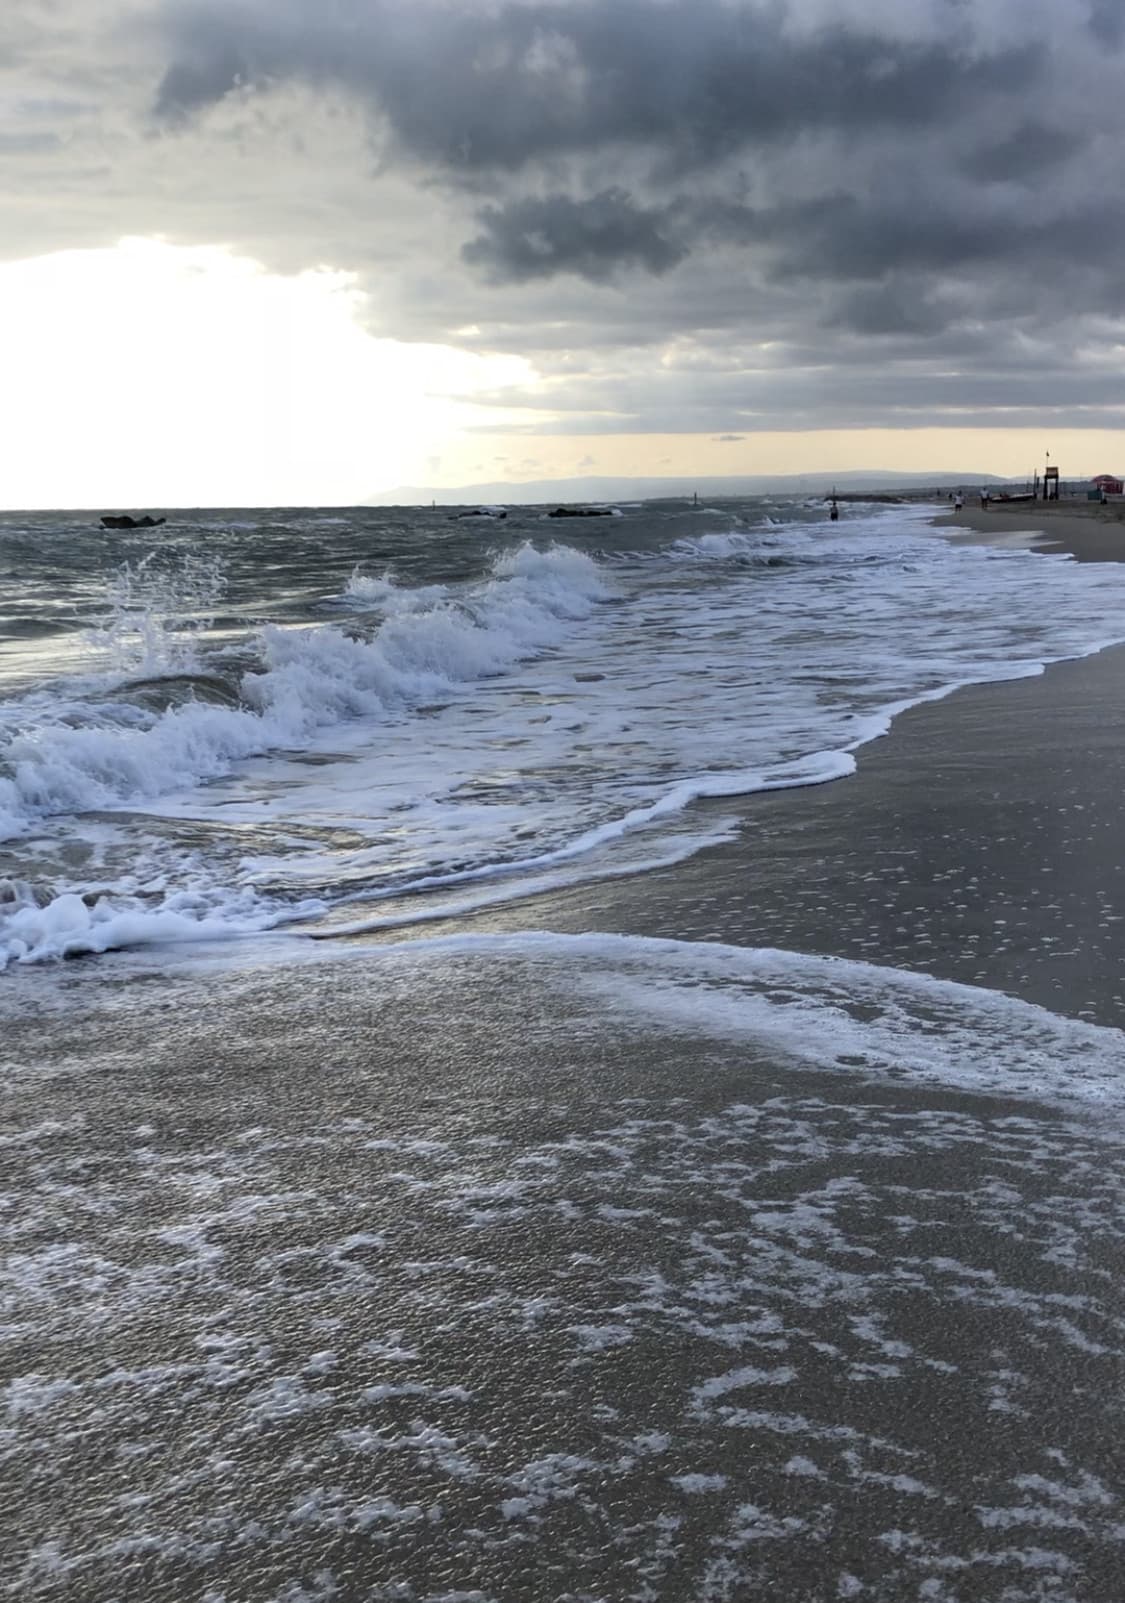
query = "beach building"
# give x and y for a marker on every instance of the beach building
(1108, 484)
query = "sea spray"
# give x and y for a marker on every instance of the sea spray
(158, 608)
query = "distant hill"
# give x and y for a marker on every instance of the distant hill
(621, 489)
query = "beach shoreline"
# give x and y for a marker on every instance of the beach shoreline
(1021, 775)
(1088, 530)
(411, 1275)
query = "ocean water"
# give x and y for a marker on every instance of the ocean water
(306, 722)
(480, 1264)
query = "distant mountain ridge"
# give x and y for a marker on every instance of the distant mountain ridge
(625, 489)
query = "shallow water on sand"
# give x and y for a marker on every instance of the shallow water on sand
(442, 1274)
(693, 1263)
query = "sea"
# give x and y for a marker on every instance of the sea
(373, 1231)
(312, 722)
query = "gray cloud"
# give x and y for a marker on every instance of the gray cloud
(896, 307)
(804, 394)
(594, 237)
(813, 148)
(29, 143)
(469, 89)
(1107, 23)
(202, 74)
(838, 237)
(1027, 151)
(722, 215)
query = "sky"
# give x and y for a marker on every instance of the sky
(302, 251)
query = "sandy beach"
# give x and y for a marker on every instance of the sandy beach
(428, 1276)
(1088, 530)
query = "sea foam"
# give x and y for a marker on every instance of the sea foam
(69, 755)
(829, 1014)
(548, 716)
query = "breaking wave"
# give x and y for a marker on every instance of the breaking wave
(98, 750)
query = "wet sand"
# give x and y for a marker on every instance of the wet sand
(409, 1279)
(980, 841)
(438, 1283)
(1089, 531)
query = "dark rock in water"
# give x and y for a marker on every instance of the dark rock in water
(581, 512)
(122, 520)
(480, 512)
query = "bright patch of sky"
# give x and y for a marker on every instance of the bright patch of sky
(151, 374)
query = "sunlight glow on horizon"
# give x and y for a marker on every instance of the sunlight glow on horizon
(155, 375)
(162, 375)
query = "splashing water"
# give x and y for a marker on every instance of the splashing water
(158, 608)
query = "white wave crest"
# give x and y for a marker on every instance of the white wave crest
(67, 925)
(312, 678)
(734, 542)
(371, 592)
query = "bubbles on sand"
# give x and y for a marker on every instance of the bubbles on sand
(438, 1270)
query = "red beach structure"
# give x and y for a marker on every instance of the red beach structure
(1108, 484)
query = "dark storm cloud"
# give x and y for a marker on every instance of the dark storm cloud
(844, 238)
(698, 108)
(1107, 23)
(715, 214)
(895, 307)
(594, 238)
(836, 237)
(500, 89)
(1023, 154)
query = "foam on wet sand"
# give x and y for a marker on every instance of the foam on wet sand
(353, 1290)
